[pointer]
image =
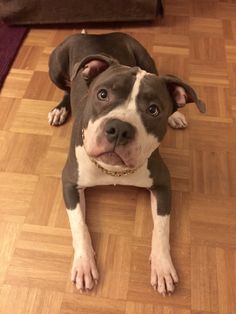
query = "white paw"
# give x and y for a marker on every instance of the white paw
(177, 120)
(57, 116)
(163, 274)
(84, 272)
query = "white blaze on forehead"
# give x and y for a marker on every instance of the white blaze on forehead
(140, 75)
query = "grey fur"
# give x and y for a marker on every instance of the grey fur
(119, 56)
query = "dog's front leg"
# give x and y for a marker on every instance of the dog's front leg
(163, 274)
(84, 271)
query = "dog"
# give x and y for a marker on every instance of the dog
(122, 108)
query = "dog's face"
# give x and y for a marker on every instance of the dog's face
(125, 117)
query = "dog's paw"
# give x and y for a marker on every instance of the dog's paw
(58, 116)
(177, 120)
(84, 272)
(163, 274)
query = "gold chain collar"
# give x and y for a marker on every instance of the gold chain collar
(109, 172)
(113, 173)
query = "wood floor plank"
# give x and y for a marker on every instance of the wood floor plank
(16, 83)
(204, 283)
(40, 263)
(9, 232)
(31, 117)
(75, 303)
(16, 191)
(29, 300)
(146, 308)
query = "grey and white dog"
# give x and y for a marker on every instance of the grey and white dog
(122, 108)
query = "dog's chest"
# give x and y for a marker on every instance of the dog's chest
(90, 175)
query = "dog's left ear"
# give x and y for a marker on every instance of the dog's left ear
(92, 66)
(182, 94)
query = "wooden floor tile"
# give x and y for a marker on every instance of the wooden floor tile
(29, 300)
(31, 117)
(16, 191)
(40, 261)
(75, 303)
(16, 83)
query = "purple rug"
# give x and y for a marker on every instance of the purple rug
(10, 41)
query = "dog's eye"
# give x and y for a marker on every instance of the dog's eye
(102, 94)
(153, 110)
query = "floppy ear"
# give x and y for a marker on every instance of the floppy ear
(182, 94)
(92, 66)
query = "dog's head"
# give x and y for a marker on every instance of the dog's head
(127, 109)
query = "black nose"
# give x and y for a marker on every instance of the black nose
(119, 132)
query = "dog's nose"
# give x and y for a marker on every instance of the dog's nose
(119, 132)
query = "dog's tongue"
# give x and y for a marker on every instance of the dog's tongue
(111, 158)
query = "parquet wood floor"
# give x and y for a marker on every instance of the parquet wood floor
(197, 42)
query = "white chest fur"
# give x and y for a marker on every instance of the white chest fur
(89, 175)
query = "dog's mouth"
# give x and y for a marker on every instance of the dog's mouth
(111, 158)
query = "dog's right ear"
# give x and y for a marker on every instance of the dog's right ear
(92, 66)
